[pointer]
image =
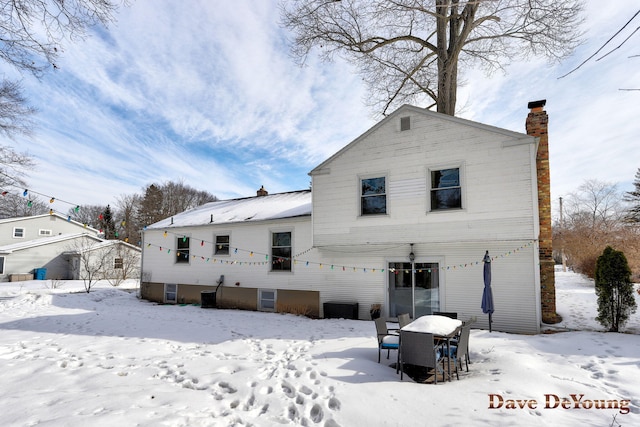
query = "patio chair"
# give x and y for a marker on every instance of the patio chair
(403, 320)
(460, 349)
(386, 341)
(419, 349)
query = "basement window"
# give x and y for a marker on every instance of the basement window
(267, 299)
(170, 293)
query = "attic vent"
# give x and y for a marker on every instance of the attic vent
(405, 123)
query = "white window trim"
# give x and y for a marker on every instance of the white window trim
(384, 175)
(166, 290)
(3, 264)
(43, 232)
(16, 229)
(179, 237)
(461, 174)
(260, 299)
(215, 236)
(270, 246)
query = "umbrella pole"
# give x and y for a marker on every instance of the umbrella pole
(489, 322)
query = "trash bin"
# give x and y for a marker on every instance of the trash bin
(40, 273)
(208, 299)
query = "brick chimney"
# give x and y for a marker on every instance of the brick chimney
(262, 192)
(537, 125)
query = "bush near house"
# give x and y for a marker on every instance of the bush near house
(614, 289)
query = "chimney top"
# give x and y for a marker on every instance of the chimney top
(262, 191)
(537, 104)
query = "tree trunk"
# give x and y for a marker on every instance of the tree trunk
(447, 29)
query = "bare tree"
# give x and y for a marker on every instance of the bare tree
(14, 206)
(126, 264)
(87, 214)
(90, 259)
(127, 213)
(409, 51)
(163, 200)
(594, 218)
(15, 113)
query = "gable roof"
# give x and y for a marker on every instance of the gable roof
(56, 214)
(7, 249)
(248, 209)
(104, 244)
(406, 108)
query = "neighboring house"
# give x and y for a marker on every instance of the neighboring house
(112, 260)
(56, 245)
(22, 229)
(401, 217)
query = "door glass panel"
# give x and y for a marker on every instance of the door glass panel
(427, 296)
(413, 291)
(400, 292)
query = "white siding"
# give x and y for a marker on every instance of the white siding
(32, 225)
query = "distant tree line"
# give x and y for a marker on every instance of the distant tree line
(132, 212)
(125, 220)
(593, 217)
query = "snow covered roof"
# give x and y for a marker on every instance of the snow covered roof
(56, 214)
(7, 249)
(248, 209)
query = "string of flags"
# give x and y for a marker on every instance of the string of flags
(261, 259)
(275, 260)
(27, 193)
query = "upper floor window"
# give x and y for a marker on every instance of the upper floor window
(446, 191)
(373, 196)
(222, 245)
(18, 232)
(118, 263)
(182, 249)
(281, 251)
(43, 232)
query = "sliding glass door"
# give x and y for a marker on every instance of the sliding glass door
(414, 288)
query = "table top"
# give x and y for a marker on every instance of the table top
(437, 325)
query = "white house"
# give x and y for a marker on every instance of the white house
(401, 217)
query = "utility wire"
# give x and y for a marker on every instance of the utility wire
(604, 45)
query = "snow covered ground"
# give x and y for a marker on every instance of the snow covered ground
(69, 358)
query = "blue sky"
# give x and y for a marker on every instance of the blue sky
(207, 94)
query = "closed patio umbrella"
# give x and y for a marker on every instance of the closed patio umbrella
(487, 295)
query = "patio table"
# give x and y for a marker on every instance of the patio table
(442, 328)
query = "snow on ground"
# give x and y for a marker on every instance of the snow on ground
(108, 358)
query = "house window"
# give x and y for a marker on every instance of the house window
(43, 233)
(446, 192)
(281, 251)
(118, 263)
(18, 232)
(267, 299)
(405, 123)
(170, 293)
(373, 196)
(222, 245)
(182, 249)
(1, 265)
